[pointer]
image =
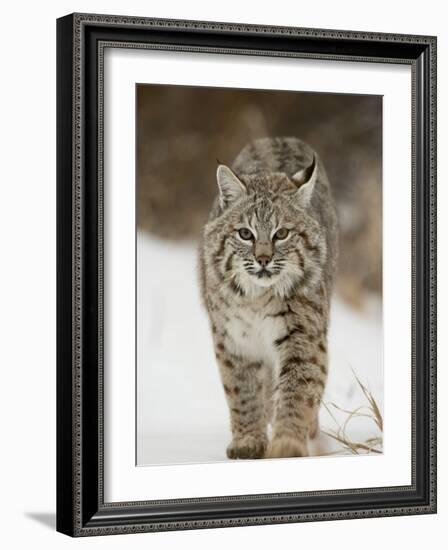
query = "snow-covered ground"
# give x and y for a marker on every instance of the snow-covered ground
(181, 410)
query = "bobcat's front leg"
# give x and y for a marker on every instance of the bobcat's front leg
(300, 386)
(243, 386)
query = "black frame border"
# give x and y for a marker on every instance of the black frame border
(81, 40)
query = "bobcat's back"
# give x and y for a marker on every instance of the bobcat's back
(282, 154)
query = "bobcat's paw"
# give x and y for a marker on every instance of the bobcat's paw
(248, 446)
(286, 447)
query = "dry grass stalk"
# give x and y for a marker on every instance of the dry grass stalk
(372, 445)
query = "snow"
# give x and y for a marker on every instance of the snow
(182, 415)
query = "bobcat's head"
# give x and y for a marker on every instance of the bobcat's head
(265, 233)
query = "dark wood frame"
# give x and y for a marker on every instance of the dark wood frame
(81, 39)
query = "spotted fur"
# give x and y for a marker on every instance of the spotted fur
(268, 295)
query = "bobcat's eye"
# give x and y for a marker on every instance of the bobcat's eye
(281, 233)
(245, 234)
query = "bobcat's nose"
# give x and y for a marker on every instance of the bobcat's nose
(263, 260)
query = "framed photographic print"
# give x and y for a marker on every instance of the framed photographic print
(246, 274)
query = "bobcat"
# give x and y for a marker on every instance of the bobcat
(267, 264)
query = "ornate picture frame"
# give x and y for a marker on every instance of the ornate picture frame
(81, 506)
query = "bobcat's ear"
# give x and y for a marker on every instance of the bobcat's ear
(305, 179)
(230, 186)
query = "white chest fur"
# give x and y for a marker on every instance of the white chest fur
(251, 334)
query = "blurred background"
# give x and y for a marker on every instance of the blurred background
(181, 132)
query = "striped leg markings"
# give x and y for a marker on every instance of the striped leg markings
(243, 386)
